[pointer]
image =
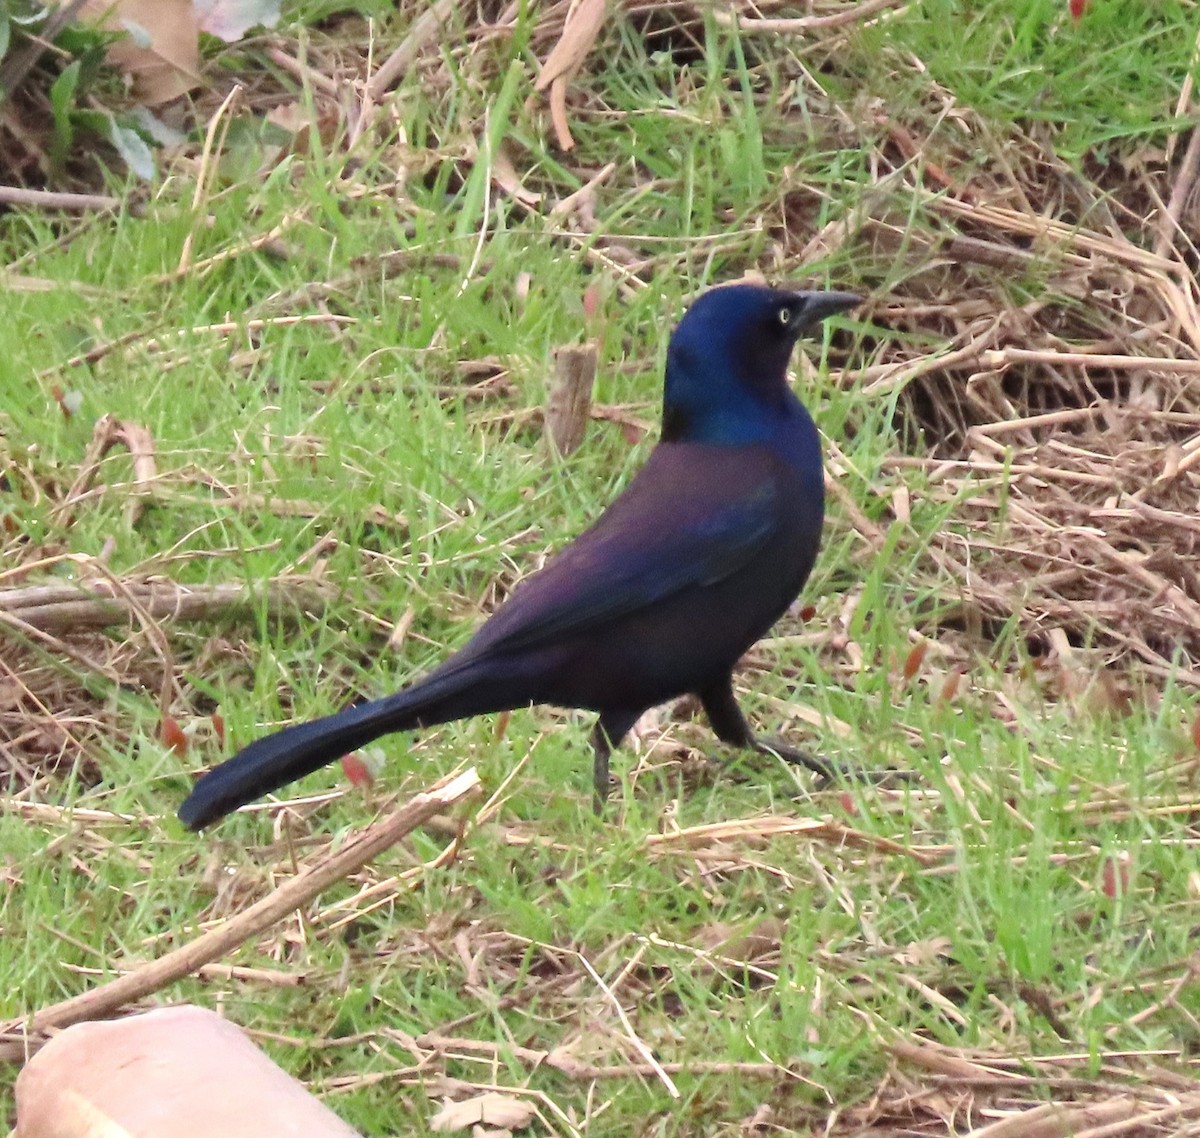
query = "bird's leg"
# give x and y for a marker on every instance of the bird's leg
(730, 726)
(610, 729)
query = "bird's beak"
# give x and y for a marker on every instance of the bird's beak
(818, 306)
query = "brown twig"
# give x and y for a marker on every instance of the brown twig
(96, 604)
(20, 1038)
(50, 199)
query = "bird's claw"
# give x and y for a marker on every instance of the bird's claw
(827, 772)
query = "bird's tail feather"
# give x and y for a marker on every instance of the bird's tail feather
(275, 760)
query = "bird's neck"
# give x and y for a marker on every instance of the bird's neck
(784, 425)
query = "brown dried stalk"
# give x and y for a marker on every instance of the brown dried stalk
(21, 1038)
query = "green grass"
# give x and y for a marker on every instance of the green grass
(1001, 940)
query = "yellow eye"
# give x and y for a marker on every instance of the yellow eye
(785, 316)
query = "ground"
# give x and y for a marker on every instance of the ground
(279, 418)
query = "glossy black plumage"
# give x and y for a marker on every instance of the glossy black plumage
(688, 567)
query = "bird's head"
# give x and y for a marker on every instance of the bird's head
(727, 360)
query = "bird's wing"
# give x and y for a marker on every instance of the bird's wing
(693, 515)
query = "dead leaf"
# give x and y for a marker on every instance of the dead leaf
(502, 722)
(744, 945)
(358, 773)
(915, 658)
(495, 1110)
(921, 953)
(592, 298)
(579, 32)
(1116, 874)
(161, 49)
(291, 117)
(763, 1118)
(504, 174)
(69, 402)
(230, 20)
(578, 35)
(172, 735)
(951, 687)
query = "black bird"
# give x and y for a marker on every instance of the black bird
(701, 554)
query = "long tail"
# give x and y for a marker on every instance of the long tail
(275, 760)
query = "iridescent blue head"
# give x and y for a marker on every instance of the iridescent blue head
(727, 362)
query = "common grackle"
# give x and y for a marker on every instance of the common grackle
(701, 554)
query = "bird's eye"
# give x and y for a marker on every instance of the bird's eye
(785, 316)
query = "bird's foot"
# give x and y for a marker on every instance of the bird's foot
(826, 771)
(822, 768)
(601, 785)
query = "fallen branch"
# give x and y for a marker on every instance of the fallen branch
(21, 1038)
(94, 604)
(52, 199)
